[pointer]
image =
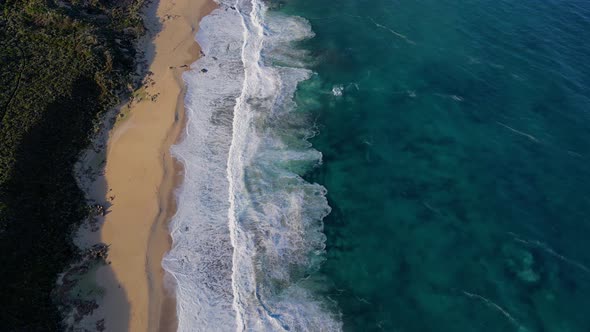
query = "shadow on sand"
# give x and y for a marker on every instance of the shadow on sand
(115, 310)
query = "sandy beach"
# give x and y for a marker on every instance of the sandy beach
(140, 176)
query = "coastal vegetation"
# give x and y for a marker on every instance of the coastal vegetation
(62, 64)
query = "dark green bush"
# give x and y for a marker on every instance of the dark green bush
(60, 68)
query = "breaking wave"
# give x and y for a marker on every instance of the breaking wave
(248, 231)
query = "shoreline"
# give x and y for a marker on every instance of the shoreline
(130, 171)
(162, 303)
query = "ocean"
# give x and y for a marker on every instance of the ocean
(386, 166)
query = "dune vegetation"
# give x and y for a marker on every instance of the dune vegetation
(62, 64)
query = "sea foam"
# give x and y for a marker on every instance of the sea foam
(248, 231)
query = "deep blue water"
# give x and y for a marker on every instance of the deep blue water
(456, 161)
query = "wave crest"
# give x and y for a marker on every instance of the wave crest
(243, 263)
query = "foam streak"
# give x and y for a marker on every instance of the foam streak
(248, 231)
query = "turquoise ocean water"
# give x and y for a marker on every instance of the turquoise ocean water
(456, 141)
(386, 166)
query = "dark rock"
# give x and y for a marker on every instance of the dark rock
(97, 209)
(100, 325)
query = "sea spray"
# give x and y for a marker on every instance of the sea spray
(248, 232)
(200, 260)
(275, 216)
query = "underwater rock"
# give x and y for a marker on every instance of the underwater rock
(521, 262)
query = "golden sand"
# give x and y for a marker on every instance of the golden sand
(140, 176)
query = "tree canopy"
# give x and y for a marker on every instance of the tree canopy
(62, 63)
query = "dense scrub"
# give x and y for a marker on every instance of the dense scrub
(62, 63)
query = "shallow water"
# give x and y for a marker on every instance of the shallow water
(248, 232)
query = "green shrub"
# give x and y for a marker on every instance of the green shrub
(60, 68)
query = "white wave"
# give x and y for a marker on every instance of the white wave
(200, 260)
(248, 230)
(337, 90)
